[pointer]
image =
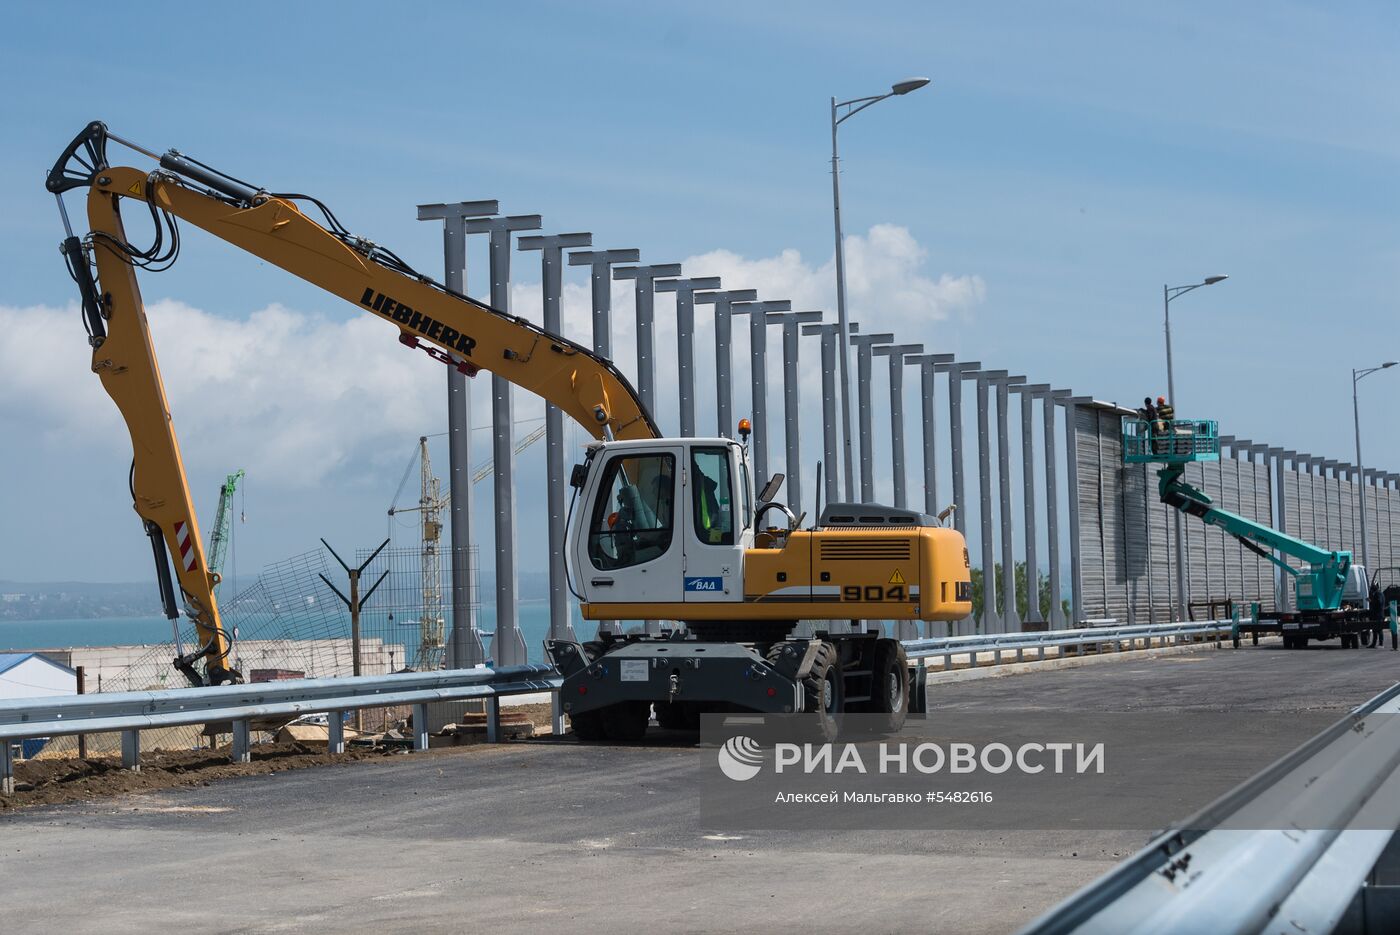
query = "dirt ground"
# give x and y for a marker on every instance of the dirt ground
(60, 781)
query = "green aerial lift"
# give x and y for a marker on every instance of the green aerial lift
(1332, 595)
(223, 521)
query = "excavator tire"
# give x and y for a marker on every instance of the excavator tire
(824, 695)
(889, 690)
(626, 721)
(677, 715)
(588, 726)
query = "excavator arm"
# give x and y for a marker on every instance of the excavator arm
(450, 327)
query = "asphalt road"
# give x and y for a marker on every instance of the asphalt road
(556, 835)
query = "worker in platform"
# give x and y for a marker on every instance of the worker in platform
(1162, 428)
(1148, 415)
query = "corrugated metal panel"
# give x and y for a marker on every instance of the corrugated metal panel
(1091, 570)
(1115, 530)
(1231, 578)
(1348, 509)
(1263, 577)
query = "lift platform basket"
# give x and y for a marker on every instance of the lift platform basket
(1178, 441)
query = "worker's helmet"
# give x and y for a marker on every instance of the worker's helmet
(1147, 400)
(1161, 400)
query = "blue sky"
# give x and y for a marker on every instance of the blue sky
(1069, 158)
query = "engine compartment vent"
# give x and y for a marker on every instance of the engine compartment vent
(863, 550)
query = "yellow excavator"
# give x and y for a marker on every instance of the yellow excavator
(662, 529)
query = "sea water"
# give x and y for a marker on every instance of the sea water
(137, 631)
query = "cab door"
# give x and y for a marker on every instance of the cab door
(631, 549)
(718, 509)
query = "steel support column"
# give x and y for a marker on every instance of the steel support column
(685, 290)
(831, 465)
(724, 303)
(864, 345)
(1052, 509)
(465, 647)
(600, 263)
(758, 313)
(508, 648)
(552, 288)
(957, 373)
(1076, 567)
(1010, 613)
(1034, 618)
(897, 354)
(928, 373)
(991, 619)
(793, 323)
(644, 292)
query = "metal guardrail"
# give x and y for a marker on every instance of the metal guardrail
(1118, 637)
(130, 712)
(1215, 873)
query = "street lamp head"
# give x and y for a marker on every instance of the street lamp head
(1212, 280)
(907, 85)
(1389, 363)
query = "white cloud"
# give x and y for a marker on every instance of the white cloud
(301, 395)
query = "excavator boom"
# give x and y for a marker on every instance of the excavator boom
(450, 327)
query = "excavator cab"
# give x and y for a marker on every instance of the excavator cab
(661, 522)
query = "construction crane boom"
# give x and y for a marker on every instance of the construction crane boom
(223, 526)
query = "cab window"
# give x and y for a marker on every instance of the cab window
(712, 496)
(634, 514)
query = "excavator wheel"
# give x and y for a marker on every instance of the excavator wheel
(824, 694)
(889, 690)
(626, 721)
(677, 715)
(588, 726)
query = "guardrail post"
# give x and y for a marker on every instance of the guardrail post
(335, 731)
(1234, 629)
(420, 726)
(493, 719)
(241, 742)
(556, 701)
(7, 767)
(131, 750)
(1394, 627)
(1254, 618)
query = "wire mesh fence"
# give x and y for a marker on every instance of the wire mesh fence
(287, 624)
(412, 609)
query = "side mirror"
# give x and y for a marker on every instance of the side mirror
(770, 489)
(578, 476)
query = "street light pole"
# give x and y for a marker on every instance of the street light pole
(1356, 377)
(853, 107)
(1169, 293)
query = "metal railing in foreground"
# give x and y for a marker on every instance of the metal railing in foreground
(131, 712)
(1286, 851)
